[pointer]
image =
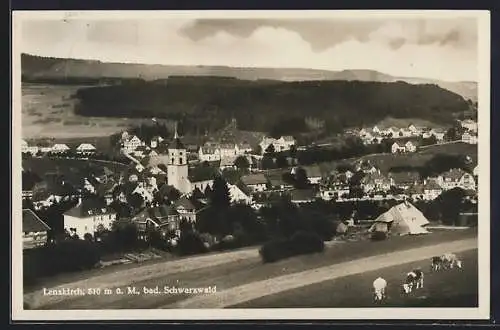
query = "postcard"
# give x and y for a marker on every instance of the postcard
(250, 165)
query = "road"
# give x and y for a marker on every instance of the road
(239, 276)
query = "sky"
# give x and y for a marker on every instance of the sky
(438, 48)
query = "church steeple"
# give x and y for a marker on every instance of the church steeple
(176, 136)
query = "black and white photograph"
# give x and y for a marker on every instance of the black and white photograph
(184, 165)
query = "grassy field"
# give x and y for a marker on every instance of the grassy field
(235, 273)
(405, 122)
(453, 288)
(385, 161)
(69, 167)
(48, 111)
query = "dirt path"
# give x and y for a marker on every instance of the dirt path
(243, 293)
(126, 277)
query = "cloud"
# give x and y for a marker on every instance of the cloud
(442, 49)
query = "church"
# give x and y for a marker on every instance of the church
(178, 169)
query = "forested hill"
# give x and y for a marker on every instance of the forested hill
(263, 105)
(65, 71)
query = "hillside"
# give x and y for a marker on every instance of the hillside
(208, 103)
(54, 70)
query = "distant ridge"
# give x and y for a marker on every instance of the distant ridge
(60, 70)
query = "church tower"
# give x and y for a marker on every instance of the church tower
(177, 166)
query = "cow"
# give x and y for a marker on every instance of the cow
(436, 263)
(379, 286)
(451, 260)
(413, 280)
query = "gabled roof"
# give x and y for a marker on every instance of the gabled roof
(32, 223)
(89, 207)
(85, 146)
(432, 185)
(254, 179)
(159, 214)
(405, 177)
(185, 203)
(454, 174)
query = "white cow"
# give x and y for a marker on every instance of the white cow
(379, 286)
(450, 260)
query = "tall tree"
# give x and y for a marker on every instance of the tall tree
(220, 197)
(242, 163)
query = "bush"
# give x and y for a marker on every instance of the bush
(300, 243)
(306, 242)
(378, 236)
(191, 243)
(276, 250)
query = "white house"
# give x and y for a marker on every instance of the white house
(59, 148)
(208, 154)
(85, 148)
(457, 178)
(155, 141)
(391, 131)
(410, 147)
(130, 143)
(469, 138)
(26, 148)
(228, 150)
(376, 130)
(469, 124)
(395, 148)
(88, 217)
(284, 143)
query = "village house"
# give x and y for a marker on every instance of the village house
(88, 217)
(404, 132)
(86, 149)
(161, 217)
(469, 125)
(313, 173)
(396, 148)
(27, 149)
(59, 148)
(438, 134)
(410, 146)
(431, 189)
(415, 130)
(227, 162)
(404, 179)
(228, 150)
(469, 138)
(240, 194)
(335, 186)
(35, 231)
(276, 182)
(363, 166)
(255, 182)
(284, 143)
(129, 143)
(375, 182)
(391, 132)
(155, 141)
(457, 178)
(208, 154)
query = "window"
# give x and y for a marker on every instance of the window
(173, 160)
(180, 161)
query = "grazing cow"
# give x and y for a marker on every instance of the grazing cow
(451, 260)
(413, 280)
(436, 263)
(379, 286)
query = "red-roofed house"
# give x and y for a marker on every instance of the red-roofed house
(34, 230)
